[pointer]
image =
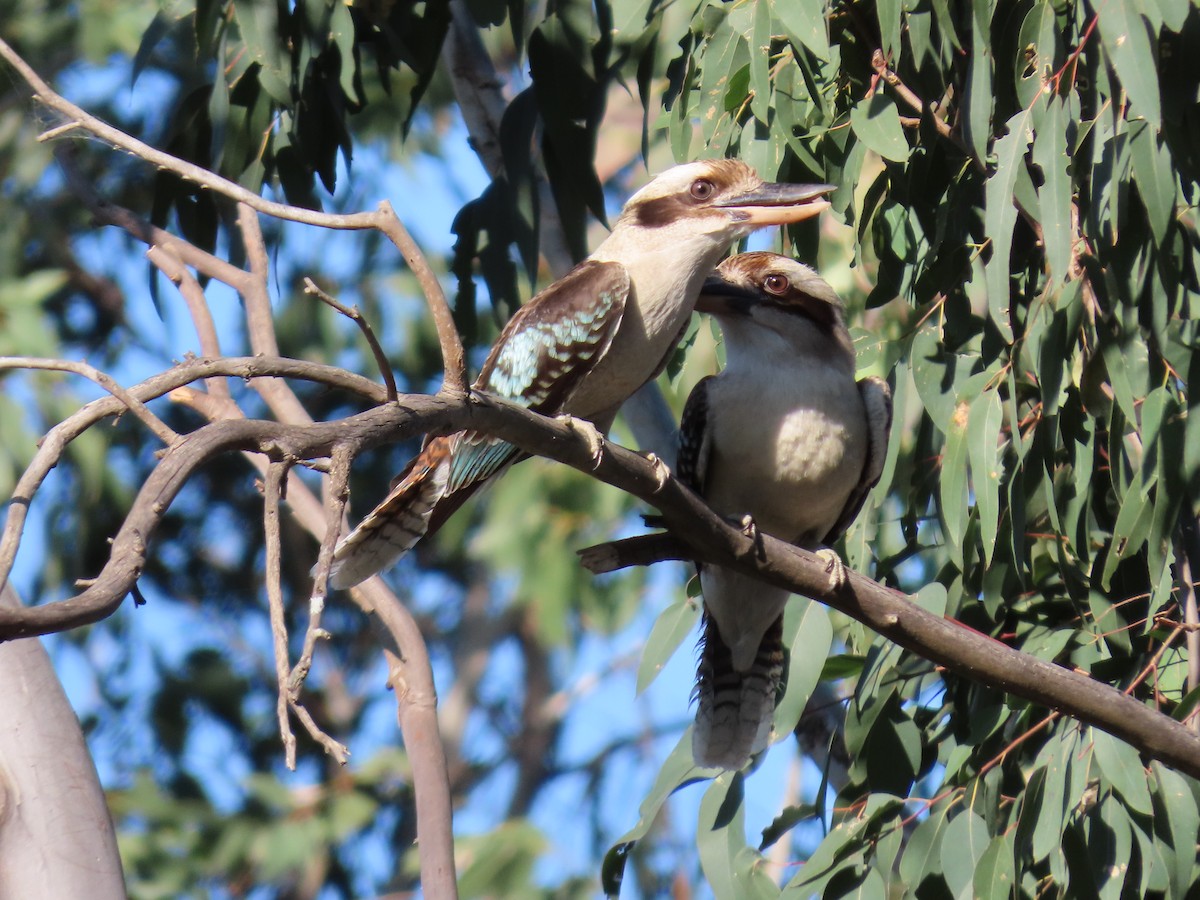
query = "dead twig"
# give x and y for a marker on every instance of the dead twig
(157, 426)
(272, 491)
(355, 315)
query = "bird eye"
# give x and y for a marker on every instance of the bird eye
(702, 189)
(776, 284)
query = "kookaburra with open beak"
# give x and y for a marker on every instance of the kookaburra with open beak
(583, 345)
(787, 437)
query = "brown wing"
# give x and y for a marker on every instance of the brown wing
(543, 354)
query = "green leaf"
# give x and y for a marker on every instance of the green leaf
(1131, 528)
(670, 628)
(732, 869)
(889, 12)
(922, 856)
(1178, 806)
(1037, 50)
(678, 770)
(500, 862)
(1122, 766)
(259, 22)
(159, 27)
(727, 53)
(843, 665)
(1050, 154)
(1110, 845)
(877, 124)
(760, 69)
(351, 811)
(979, 95)
(963, 844)
(953, 485)
(995, 871)
(983, 446)
(932, 598)
(30, 291)
(1000, 216)
(824, 862)
(1126, 40)
(1154, 175)
(789, 818)
(1056, 759)
(805, 24)
(809, 635)
(1186, 705)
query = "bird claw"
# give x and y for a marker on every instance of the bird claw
(662, 472)
(591, 434)
(834, 568)
(749, 527)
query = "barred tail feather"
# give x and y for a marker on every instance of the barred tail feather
(735, 709)
(396, 524)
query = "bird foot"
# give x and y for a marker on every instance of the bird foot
(662, 472)
(834, 568)
(749, 527)
(591, 434)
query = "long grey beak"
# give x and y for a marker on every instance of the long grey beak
(720, 296)
(774, 203)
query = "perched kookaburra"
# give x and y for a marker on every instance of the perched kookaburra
(587, 342)
(786, 436)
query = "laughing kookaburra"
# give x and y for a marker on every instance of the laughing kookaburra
(784, 436)
(583, 345)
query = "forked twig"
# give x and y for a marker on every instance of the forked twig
(354, 314)
(157, 426)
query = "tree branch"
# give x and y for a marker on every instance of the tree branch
(896, 616)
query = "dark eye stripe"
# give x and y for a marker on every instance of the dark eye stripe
(798, 303)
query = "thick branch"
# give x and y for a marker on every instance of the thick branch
(893, 615)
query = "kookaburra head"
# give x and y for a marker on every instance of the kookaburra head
(761, 297)
(714, 201)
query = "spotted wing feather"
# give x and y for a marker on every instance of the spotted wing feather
(542, 356)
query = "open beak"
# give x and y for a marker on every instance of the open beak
(720, 296)
(778, 204)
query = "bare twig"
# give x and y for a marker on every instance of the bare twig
(416, 706)
(157, 426)
(339, 751)
(454, 379)
(54, 442)
(642, 550)
(355, 315)
(260, 323)
(335, 506)
(276, 473)
(165, 260)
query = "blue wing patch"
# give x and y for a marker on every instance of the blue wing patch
(543, 354)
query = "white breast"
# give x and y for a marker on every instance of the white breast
(666, 268)
(787, 448)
